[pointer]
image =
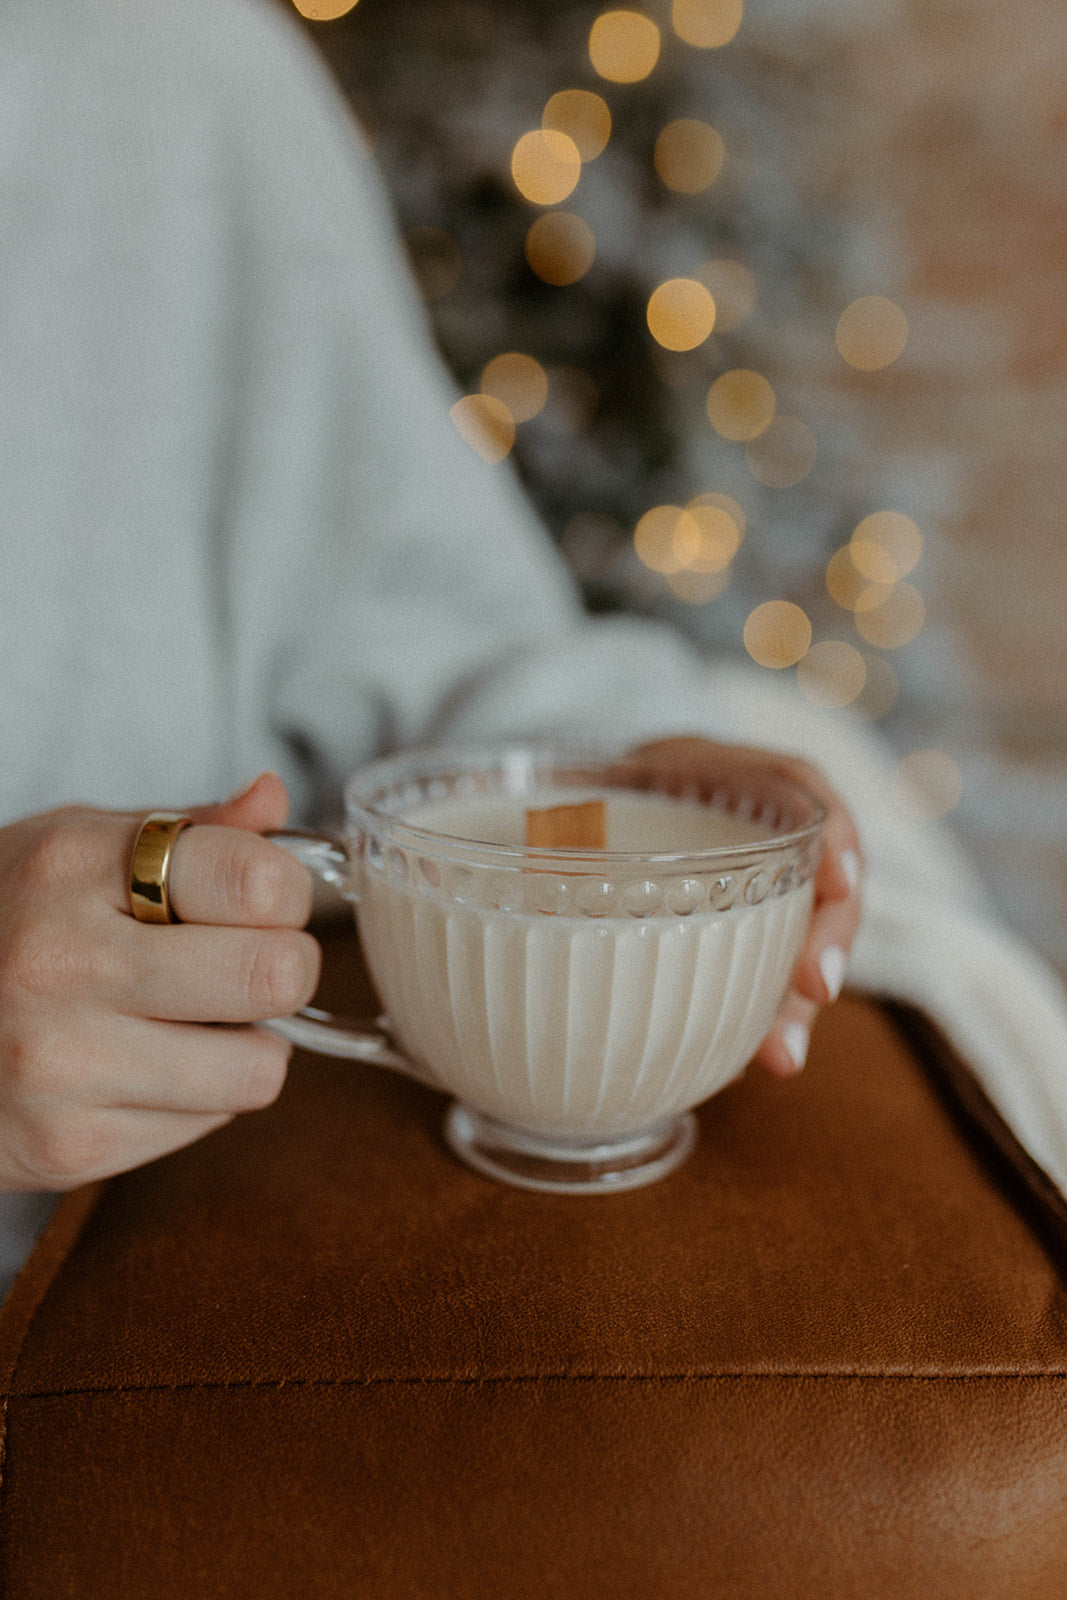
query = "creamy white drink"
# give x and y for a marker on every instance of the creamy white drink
(571, 1002)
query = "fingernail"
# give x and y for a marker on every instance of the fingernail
(239, 794)
(850, 866)
(796, 1039)
(832, 964)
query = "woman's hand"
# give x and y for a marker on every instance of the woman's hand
(111, 1051)
(820, 968)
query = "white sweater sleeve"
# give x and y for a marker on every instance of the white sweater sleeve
(928, 936)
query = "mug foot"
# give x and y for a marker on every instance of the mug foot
(564, 1165)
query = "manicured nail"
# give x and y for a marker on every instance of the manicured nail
(832, 964)
(796, 1039)
(239, 794)
(850, 866)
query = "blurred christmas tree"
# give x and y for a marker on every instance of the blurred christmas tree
(632, 258)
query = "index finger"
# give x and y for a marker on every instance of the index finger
(233, 878)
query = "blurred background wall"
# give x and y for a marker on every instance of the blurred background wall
(766, 301)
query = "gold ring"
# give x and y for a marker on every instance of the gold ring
(150, 866)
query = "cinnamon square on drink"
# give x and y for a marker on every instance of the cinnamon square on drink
(571, 827)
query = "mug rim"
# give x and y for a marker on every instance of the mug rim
(528, 754)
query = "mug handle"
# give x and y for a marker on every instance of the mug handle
(352, 1038)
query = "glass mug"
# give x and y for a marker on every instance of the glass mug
(576, 1003)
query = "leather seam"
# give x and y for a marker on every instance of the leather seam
(83, 1202)
(520, 1379)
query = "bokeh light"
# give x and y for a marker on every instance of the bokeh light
(783, 454)
(486, 424)
(583, 116)
(546, 166)
(870, 561)
(701, 540)
(740, 404)
(688, 155)
(927, 784)
(895, 621)
(706, 23)
(725, 503)
(721, 531)
(832, 673)
(777, 634)
(885, 546)
(681, 314)
(665, 536)
(324, 10)
(871, 333)
(623, 46)
(560, 247)
(517, 380)
(851, 588)
(733, 289)
(435, 260)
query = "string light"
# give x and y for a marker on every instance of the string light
(783, 454)
(435, 260)
(681, 314)
(560, 247)
(707, 24)
(324, 10)
(486, 424)
(871, 333)
(688, 155)
(733, 289)
(740, 404)
(852, 589)
(692, 547)
(623, 46)
(583, 116)
(832, 673)
(546, 166)
(518, 381)
(724, 502)
(700, 540)
(873, 563)
(927, 784)
(704, 540)
(777, 634)
(663, 537)
(720, 535)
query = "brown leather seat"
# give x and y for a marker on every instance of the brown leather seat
(312, 1356)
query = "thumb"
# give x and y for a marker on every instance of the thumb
(260, 806)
